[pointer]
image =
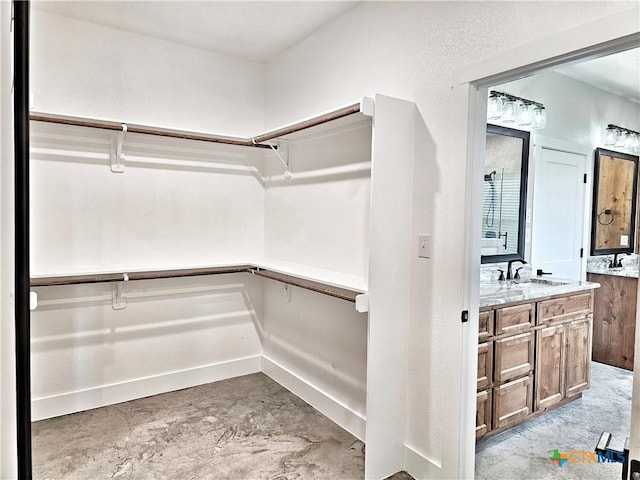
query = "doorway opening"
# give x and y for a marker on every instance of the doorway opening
(528, 365)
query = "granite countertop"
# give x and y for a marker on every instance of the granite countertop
(626, 271)
(500, 293)
(600, 265)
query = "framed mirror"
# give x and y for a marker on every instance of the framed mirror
(504, 194)
(615, 188)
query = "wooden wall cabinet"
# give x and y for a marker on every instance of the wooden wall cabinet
(541, 354)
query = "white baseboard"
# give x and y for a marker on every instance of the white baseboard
(77, 401)
(339, 413)
(419, 466)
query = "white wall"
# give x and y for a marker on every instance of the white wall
(84, 69)
(178, 204)
(8, 459)
(413, 51)
(173, 333)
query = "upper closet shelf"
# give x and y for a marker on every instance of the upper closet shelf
(255, 142)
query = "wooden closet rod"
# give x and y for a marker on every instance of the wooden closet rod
(148, 275)
(312, 122)
(159, 132)
(256, 142)
(315, 286)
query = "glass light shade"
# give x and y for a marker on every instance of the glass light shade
(610, 136)
(539, 119)
(509, 111)
(636, 143)
(494, 108)
(630, 140)
(524, 114)
(621, 139)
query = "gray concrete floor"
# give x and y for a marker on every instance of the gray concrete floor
(525, 451)
(243, 428)
(252, 428)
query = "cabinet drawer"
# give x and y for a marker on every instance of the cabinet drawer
(563, 309)
(513, 357)
(514, 319)
(485, 365)
(512, 401)
(485, 325)
(483, 413)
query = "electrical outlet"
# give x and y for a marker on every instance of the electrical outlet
(424, 246)
(624, 240)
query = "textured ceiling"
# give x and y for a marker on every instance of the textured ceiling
(259, 30)
(255, 30)
(619, 73)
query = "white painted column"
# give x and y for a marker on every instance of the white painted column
(389, 284)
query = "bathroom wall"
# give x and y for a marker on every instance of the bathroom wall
(415, 51)
(577, 113)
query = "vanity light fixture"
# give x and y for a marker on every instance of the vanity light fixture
(616, 136)
(508, 108)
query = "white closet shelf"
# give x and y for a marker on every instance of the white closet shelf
(256, 141)
(319, 286)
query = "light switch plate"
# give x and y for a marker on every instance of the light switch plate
(624, 240)
(425, 247)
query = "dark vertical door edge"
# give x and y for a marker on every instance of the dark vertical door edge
(22, 274)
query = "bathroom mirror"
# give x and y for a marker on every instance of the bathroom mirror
(504, 194)
(614, 202)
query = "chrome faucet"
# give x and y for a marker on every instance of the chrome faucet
(511, 262)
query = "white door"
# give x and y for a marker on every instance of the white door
(558, 208)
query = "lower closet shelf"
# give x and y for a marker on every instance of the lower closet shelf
(355, 296)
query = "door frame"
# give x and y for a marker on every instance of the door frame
(605, 36)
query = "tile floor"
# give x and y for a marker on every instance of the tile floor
(525, 451)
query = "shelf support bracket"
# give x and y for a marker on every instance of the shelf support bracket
(117, 153)
(281, 149)
(118, 294)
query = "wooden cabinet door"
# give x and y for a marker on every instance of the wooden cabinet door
(564, 309)
(513, 357)
(515, 319)
(578, 358)
(485, 365)
(512, 401)
(485, 325)
(550, 366)
(483, 413)
(614, 320)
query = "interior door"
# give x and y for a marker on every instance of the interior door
(558, 208)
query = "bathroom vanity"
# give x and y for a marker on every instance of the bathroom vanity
(534, 350)
(614, 312)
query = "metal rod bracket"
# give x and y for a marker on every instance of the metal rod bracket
(281, 149)
(118, 294)
(117, 153)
